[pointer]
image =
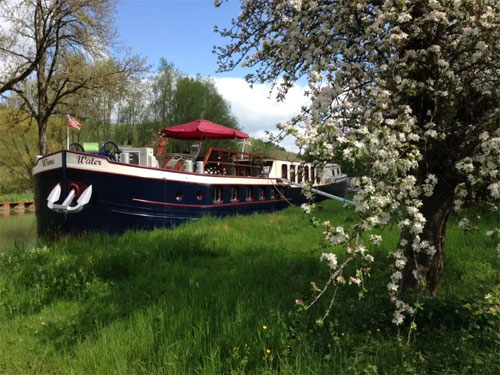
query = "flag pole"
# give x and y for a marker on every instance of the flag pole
(71, 123)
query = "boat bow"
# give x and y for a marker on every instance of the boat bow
(65, 206)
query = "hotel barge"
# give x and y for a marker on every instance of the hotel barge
(120, 188)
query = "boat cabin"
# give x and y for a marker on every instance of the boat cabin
(216, 161)
(227, 162)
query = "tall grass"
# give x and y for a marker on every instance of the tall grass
(218, 296)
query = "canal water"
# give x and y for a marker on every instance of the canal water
(17, 229)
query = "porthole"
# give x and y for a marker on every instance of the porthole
(179, 196)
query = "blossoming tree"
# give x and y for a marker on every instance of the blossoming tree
(411, 88)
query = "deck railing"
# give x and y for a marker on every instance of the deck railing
(224, 161)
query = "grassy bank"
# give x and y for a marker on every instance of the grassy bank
(218, 296)
(17, 197)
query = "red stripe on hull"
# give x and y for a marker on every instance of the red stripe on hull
(206, 206)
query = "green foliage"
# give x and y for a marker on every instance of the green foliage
(196, 98)
(173, 99)
(163, 91)
(218, 296)
(269, 150)
(18, 146)
(17, 197)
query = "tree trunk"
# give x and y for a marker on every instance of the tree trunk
(436, 210)
(42, 135)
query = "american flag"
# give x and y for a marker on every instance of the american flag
(73, 123)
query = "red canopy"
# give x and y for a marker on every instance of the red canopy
(201, 129)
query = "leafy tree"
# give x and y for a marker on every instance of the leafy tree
(411, 88)
(76, 58)
(162, 92)
(269, 150)
(17, 143)
(197, 98)
(18, 146)
(17, 62)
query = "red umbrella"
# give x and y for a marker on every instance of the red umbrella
(201, 129)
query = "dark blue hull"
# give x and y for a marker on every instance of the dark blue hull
(121, 202)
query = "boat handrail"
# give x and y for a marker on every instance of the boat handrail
(238, 154)
(317, 191)
(223, 160)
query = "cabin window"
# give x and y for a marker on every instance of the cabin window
(179, 196)
(261, 193)
(312, 174)
(235, 194)
(284, 171)
(249, 194)
(292, 173)
(199, 196)
(300, 174)
(218, 194)
(320, 175)
(306, 173)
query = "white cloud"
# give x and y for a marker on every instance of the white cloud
(257, 110)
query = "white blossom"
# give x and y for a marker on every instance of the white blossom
(363, 109)
(331, 259)
(376, 239)
(398, 318)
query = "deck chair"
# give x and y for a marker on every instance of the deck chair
(195, 151)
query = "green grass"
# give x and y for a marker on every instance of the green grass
(17, 197)
(194, 299)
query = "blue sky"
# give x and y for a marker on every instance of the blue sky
(179, 30)
(182, 32)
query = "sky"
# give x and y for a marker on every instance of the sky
(181, 31)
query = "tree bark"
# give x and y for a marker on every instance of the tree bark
(436, 210)
(42, 135)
